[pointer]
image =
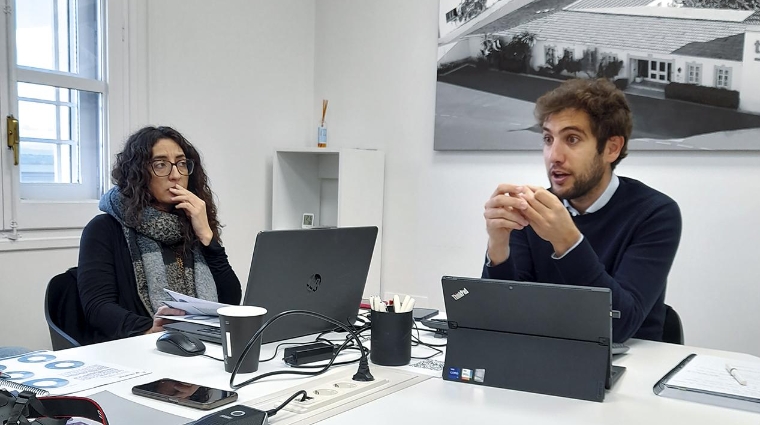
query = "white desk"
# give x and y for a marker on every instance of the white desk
(631, 401)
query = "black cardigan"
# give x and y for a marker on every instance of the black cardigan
(108, 288)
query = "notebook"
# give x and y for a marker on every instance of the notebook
(321, 270)
(54, 373)
(709, 380)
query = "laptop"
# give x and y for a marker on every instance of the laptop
(323, 270)
(543, 338)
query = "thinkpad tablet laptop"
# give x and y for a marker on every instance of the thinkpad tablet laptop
(543, 338)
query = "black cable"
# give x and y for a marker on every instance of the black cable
(362, 373)
(212, 357)
(427, 344)
(277, 348)
(274, 411)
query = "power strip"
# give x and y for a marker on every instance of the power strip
(333, 394)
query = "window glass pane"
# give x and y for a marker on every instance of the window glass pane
(37, 120)
(35, 38)
(64, 117)
(36, 91)
(64, 49)
(56, 136)
(38, 162)
(51, 35)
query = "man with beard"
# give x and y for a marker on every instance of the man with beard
(591, 227)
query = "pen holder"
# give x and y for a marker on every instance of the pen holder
(391, 338)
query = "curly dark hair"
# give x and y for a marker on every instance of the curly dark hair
(605, 104)
(132, 174)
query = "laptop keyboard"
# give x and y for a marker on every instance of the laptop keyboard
(619, 348)
(210, 330)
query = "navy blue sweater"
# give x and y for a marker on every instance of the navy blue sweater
(628, 246)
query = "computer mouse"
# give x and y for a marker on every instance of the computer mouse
(180, 344)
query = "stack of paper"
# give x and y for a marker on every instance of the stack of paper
(198, 310)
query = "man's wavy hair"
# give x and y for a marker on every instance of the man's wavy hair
(132, 174)
(605, 104)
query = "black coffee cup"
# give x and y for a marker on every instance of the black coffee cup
(238, 325)
(391, 338)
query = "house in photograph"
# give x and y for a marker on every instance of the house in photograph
(654, 43)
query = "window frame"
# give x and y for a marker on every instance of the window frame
(727, 70)
(547, 49)
(698, 70)
(30, 224)
(452, 15)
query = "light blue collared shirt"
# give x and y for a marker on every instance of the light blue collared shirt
(596, 206)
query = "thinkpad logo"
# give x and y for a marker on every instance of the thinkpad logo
(459, 294)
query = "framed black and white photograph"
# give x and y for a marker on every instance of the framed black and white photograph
(690, 69)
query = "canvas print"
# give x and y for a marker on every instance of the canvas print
(690, 69)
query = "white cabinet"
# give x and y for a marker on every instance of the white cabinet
(341, 187)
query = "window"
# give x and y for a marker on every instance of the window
(452, 15)
(569, 54)
(609, 58)
(722, 77)
(693, 73)
(53, 69)
(550, 54)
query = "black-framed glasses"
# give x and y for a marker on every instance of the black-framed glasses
(163, 167)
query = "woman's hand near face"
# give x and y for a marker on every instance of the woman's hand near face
(195, 208)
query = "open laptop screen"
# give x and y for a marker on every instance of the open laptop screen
(322, 270)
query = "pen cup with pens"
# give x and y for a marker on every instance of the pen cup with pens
(391, 336)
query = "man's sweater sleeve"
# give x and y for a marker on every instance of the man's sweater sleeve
(519, 264)
(98, 287)
(227, 282)
(642, 274)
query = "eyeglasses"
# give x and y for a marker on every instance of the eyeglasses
(162, 167)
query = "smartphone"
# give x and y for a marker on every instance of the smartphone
(185, 394)
(423, 313)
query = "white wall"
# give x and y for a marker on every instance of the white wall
(237, 80)
(750, 96)
(25, 275)
(433, 221)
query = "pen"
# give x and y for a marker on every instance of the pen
(733, 372)
(4, 376)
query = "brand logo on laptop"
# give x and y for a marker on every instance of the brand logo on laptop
(459, 294)
(313, 283)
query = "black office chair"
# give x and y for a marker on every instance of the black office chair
(673, 330)
(63, 310)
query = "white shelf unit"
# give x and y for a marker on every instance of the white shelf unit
(341, 187)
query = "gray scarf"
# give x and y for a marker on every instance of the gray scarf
(158, 258)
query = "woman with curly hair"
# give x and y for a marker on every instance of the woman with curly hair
(159, 231)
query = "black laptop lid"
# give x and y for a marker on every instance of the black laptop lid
(321, 270)
(571, 312)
